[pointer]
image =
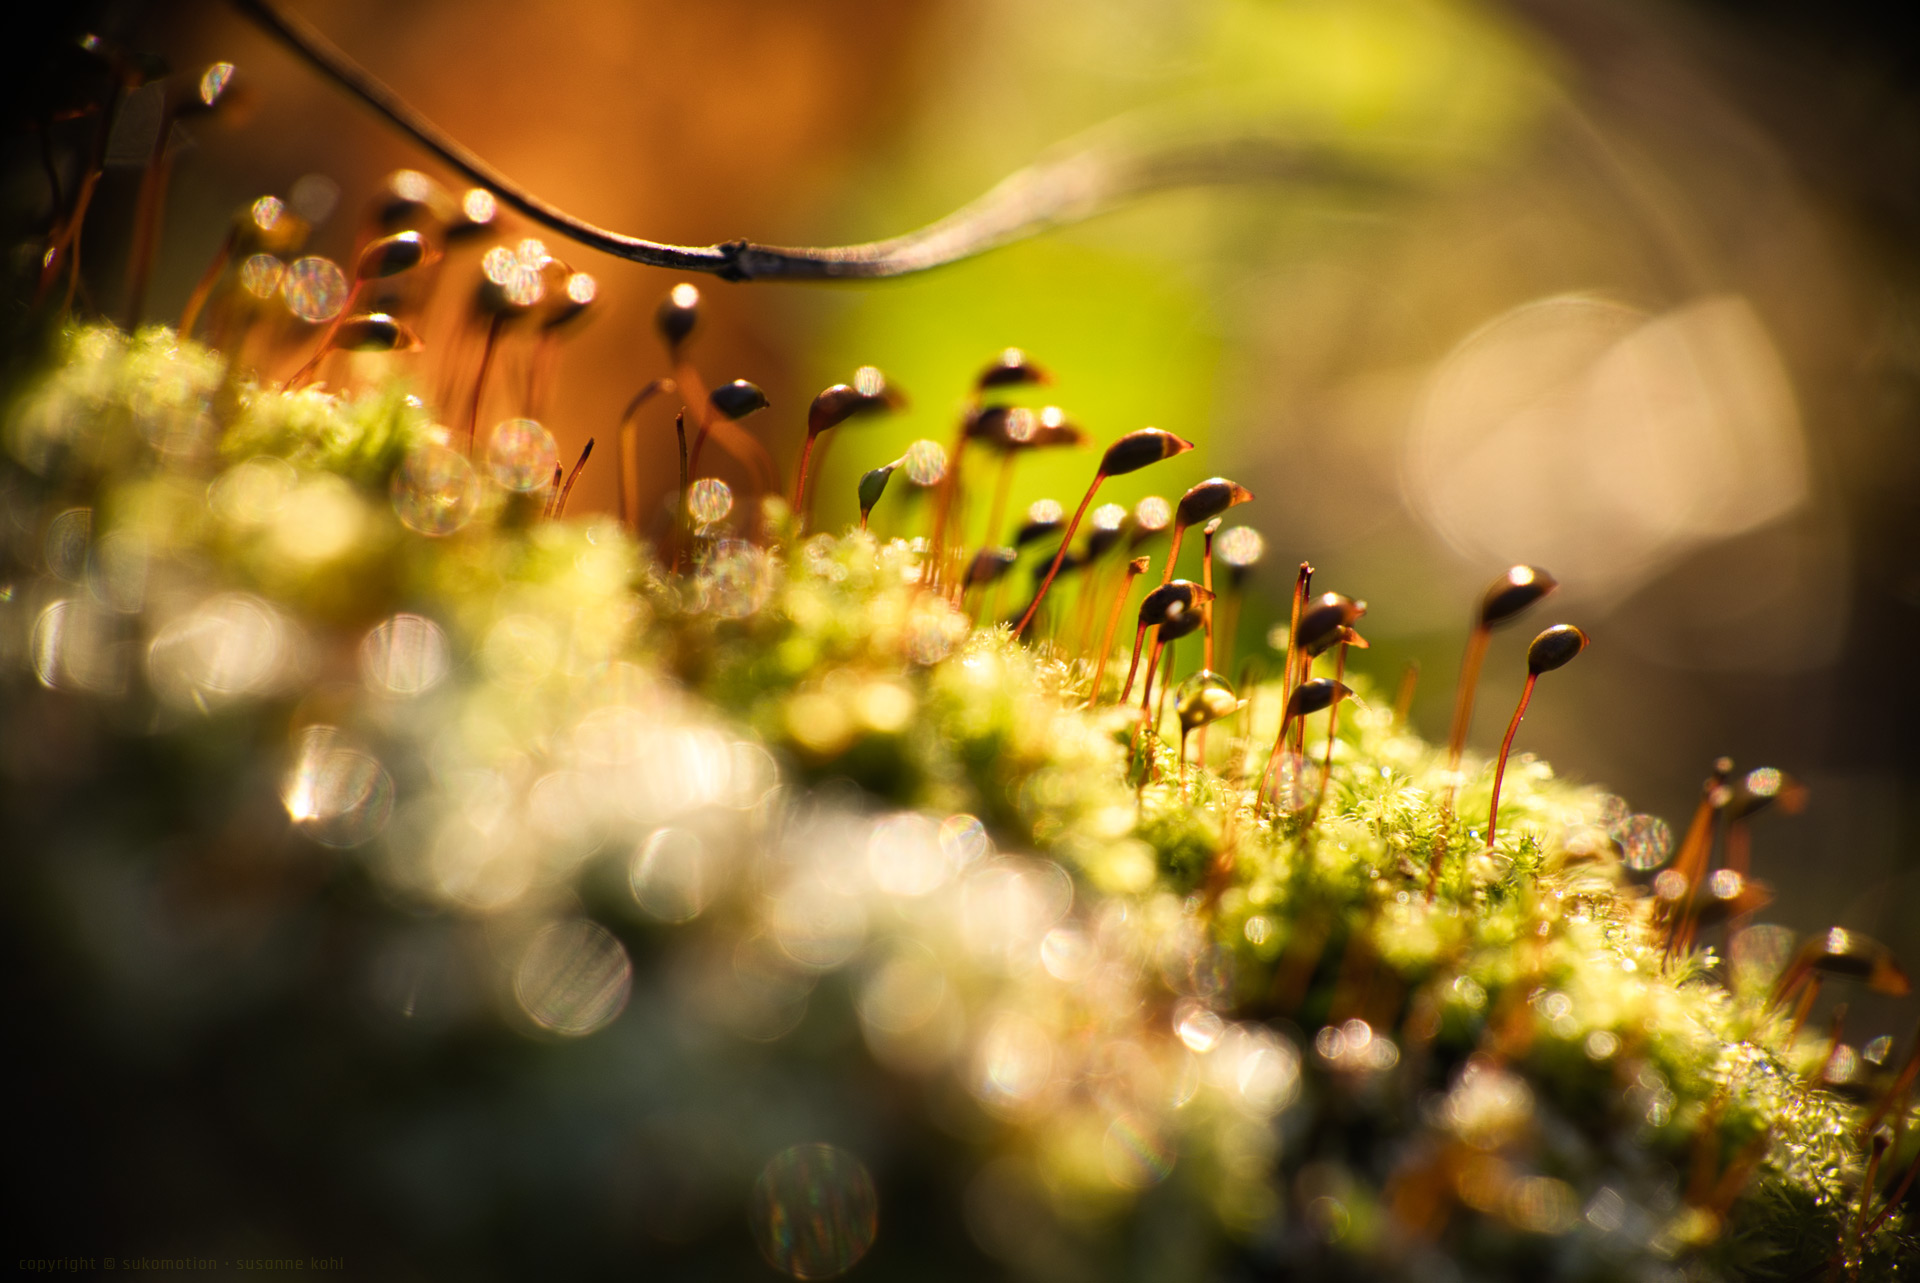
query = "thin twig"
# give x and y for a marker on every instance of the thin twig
(1074, 185)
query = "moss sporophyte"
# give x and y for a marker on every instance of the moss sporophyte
(1295, 990)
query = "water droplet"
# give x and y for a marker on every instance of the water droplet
(267, 212)
(1136, 1155)
(815, 1213)
(315, 289)
(673, 874)
(904, 991)
(479, 206)
(574, 978)
(214, 81)
(435, 490)
(1013, 1063)
(1645, 842)
(517, 273)
(1240, 546)
(230, 645)
(405, 655)
(735, 579)
(314, 197)
(906, 856)
(261, 275)
(709, 500)
(67, 540)
(817, 924)
(925, 462)
(75, 646)
(521, 455)
(340, 796)
(965, 840)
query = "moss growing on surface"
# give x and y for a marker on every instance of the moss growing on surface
(317, 725)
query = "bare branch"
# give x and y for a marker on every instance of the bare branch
(1074, 185)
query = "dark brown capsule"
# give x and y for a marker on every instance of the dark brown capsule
(1324, 619)
(1044, 519)
(1839, 952)
(1013, 369)
(1170, 600)
(1053, 430)
(1209, 499)
(374, 332)
(737, 400)
(408, 198)
(1069, 564)
(1187, 621)
(1554, 648)
(1761, 788)
(1003, 427)
(677, 314)
(1140, 449)
(1730, 894)
(836, 405)
(1312, 696)
(1151, 516)
(1104, 539)
(989, 565)
(569, 299)
(478, 208)
(392, 255)
(1513, 592)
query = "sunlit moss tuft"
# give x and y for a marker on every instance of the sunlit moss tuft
(1118, 974)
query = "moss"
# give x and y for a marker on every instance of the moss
(1505, 1069)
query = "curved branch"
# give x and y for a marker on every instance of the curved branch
(1068, 188)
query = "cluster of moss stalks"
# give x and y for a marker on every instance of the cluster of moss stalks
(290, 655)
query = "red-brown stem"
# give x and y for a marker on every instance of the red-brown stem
(1206, 581)
(1300, 586)
(680, 525)
(1506, 745)
(1146, 687)
(1463, 696)
(1106, 638)
(950, 483)
(203, 288)
(1273, 758)
(1403, 698)
(1805, 1006)
(1166, 684)
(540, 372)
(1739, 846)
(307, 371)
(1893, 1199)
(1089, 607)
(480, 379)
(1901, 1085)
(1133, 667)
(628, 449)
(1001, 488)
(800, 486)
(1333, 733)
(553, 493)
(560, 506)
(1059, 556)
(151, 212)
(1173, 553)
